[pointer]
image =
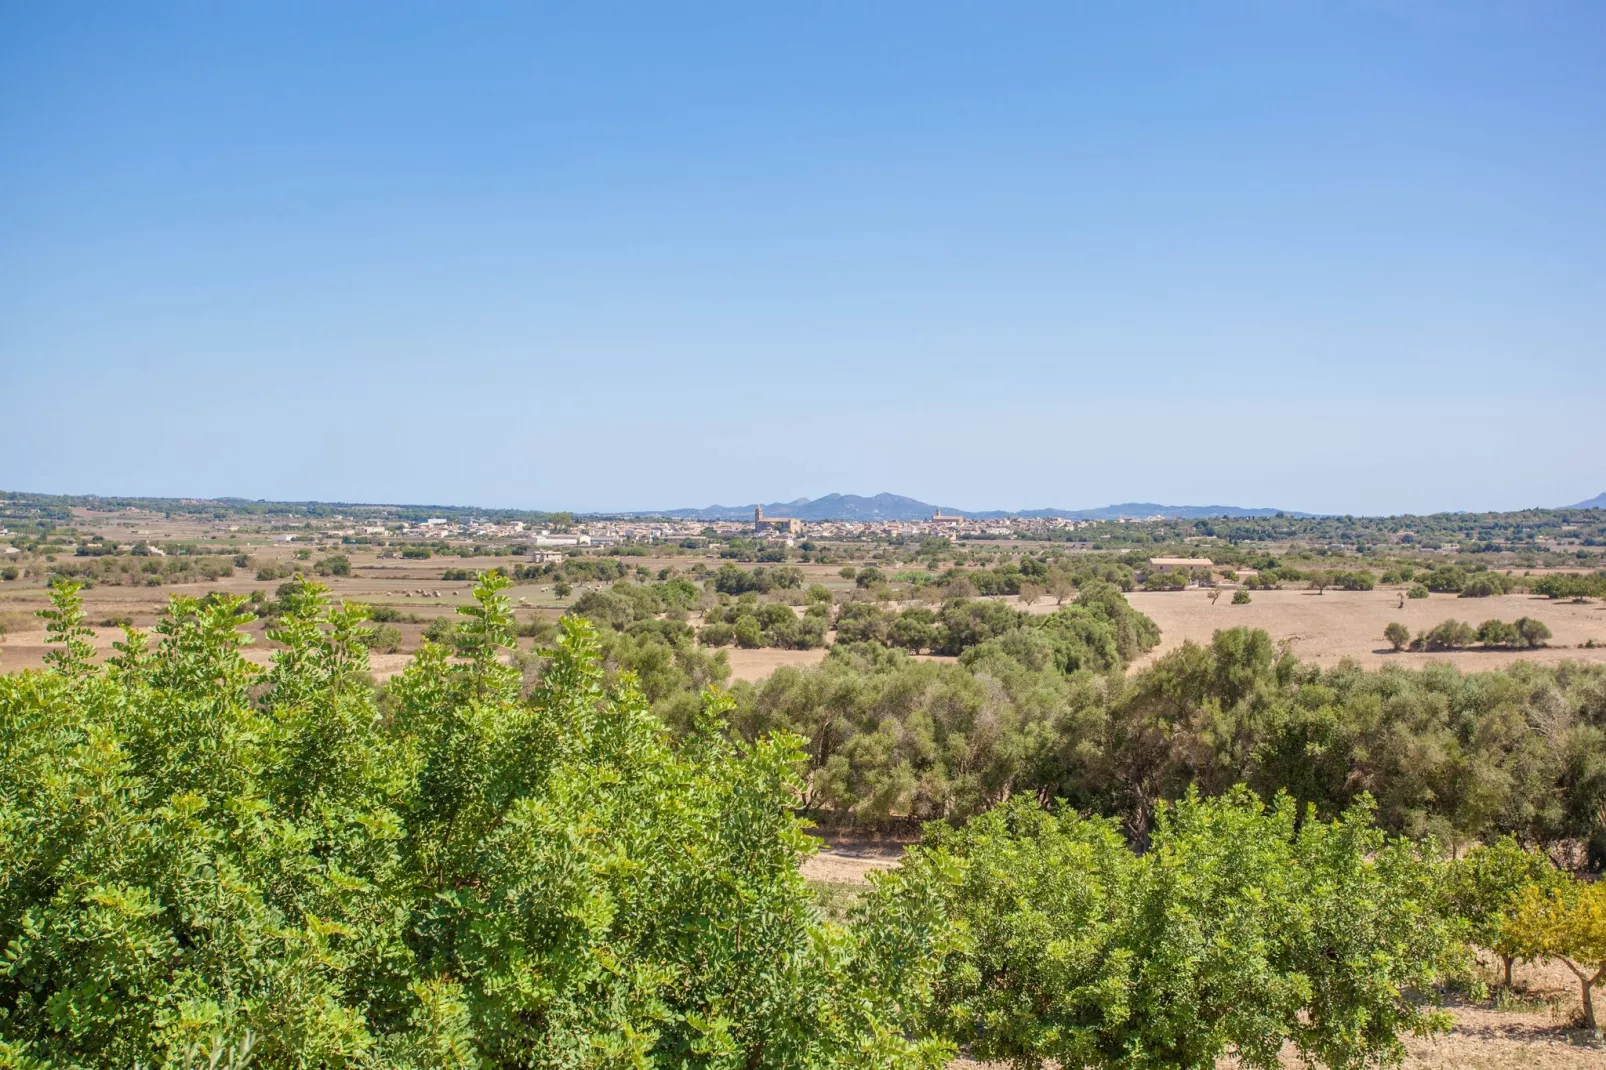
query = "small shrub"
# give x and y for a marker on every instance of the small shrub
(1485, 584)
(749, 633)
(1418, 591)
(1240, 598)
(717, 634)
(386, 639)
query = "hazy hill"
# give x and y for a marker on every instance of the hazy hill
(1597, 502)
(901, 507)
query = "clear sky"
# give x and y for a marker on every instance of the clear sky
(1322, 255)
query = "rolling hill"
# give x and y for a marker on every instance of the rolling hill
(901, 507)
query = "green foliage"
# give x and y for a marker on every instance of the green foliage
(1446, 579)
(750, 624)
(733, 579)
(1565, 921)
(1240, 598)
(416, 553)
(1572, 585)
(1446, 635)
(336, 565)
(1397, 635)
(1485, 584)
(1161, 580)
(1525, 632)
(386, 639)
(198, 851)
(1240, 930)
(1486, 885)
(1418, 591)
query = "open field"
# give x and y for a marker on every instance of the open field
(1325, 628)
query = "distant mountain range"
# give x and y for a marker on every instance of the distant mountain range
(901, 507)
(1597, 502)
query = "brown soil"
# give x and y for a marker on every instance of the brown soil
(757, 664)
(1325, 628)
(846, 861)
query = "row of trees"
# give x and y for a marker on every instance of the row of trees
(1461, 756)
(201, 854)
(1517, 904)
(132, 571)
(1521, 634)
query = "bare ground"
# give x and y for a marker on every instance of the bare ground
(1325, 628)
(757, 664)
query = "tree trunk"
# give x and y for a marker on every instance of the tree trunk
(1586, 984)
(1508, 961)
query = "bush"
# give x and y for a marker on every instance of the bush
(716, 634)
(1418, 591)
(386, 639)
(1485, 584)
(749, 634)
(337, 565)
(8, 573)
(1446, 635)
(197, 852)
(1566, 585)
(1532, 632)
(1240, 929)
(1240, 598)
(1158, 580)
(1498, 633)
(1446, 579)
(457, 574)
(1354, 581)
(416, 553)
(1397, 634)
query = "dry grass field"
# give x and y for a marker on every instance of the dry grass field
(1325, 628)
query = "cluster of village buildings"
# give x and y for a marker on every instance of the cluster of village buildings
(780, 529)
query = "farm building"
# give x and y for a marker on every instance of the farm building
(1166, 564)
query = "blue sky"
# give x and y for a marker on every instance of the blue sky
(1333, 256)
